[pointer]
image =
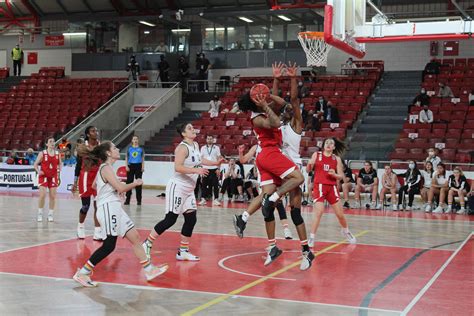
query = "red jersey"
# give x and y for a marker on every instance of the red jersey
(87, 177)
(267, 137)
(50, 164)
(322, 165)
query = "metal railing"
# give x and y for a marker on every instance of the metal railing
(146, 83)
(150, 109)
(93, 115)
(221, 85)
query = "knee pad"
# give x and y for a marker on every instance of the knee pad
(296, 216)
(270, 217)
(190, 220)
(85, 208)
(281, 210)
(167, 222)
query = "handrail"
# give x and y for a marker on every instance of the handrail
(87, 119)
(147, 111)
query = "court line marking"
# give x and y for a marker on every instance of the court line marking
(435, 276)
(41, 244)
(261, 280)
(154, 288)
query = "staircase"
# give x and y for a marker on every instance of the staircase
(10, 82)
(384, 119)
(164, 137)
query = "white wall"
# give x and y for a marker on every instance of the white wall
(400, 56)
(3, 58)
(99, 74)
(48, 58)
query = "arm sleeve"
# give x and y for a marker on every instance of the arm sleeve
(77, 170)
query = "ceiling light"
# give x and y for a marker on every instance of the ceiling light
(219, 29)
(243, 18)
(75, 33)
(146, 23)
(180, 30)
(146, 32)
(284, 18)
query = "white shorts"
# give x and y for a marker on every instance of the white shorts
(113, 220)
(178, 199)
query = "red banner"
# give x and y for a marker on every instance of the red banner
(54, 40)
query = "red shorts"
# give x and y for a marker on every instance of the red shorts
(86, 179)
(326, 192)
(273, 166)
(48, 182)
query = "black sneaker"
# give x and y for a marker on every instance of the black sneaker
(139, 202)
(239, 225)
(267, 206)
(127, 202)
(272, 254)
(346, 205)
(307, 260)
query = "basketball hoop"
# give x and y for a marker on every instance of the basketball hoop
(315, 47)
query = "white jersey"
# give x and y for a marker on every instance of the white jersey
(193, 160)
(291, 143)
(211, 153)
(105, 192)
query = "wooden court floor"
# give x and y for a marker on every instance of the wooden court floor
(404, 264)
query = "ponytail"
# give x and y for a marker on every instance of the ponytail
(95, 156)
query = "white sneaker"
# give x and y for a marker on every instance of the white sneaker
(373, 205)
(84, 279)
(186, 256)
(394, 207)
(310, 242)
(202, 202)
(147, 247)
(272, 253)
(449, 210)
(356, 204)
(428, 208)
(400, 207)
(461, 211)
(39, 218)
(156, 271)
(379, 207)
(81, 233)
(348, 235)
(307, 260)
(216, 203)
(408, 208)
(287, 233)
(438, 210)
(97, 233)
(50, 217)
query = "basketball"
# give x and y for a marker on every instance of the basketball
(259, 88)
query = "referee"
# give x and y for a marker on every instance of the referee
(210, 183)
(135, 162)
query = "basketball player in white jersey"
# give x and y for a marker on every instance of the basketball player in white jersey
(112, 218)
(180, 198)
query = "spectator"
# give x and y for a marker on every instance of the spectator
(314, 74)
(183, 71)
(210, 183)
(331, 114)
(445, 91)
(412, 186)
(367, 181)
(439, 186)
(321, 106)
(312, 122)
(470, 200)
(420, 100)
(458, 186)
(349, 67)
(427, 174)
(202, 66)
(13, 159)
(135, 166)
(348, 184)
(63, 146)
(134, 69)
(69, 158)
(389, 184)
(304, 113)
(303, 91)
(238, 45)
(30, 156)
(251, 183)
(234, 109)
(433, 158)
(214, 106)
(164, 68)
(17, 57)
(470, 98)
(162, 48)
(232, 181)
(431, 68)
(426, 115)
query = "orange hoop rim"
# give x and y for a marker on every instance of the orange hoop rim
(312, 35)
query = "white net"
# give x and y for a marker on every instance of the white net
(316, 49)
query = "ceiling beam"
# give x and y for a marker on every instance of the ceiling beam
(88, 6)
(36, 7)
(117, 6)
(61, 5)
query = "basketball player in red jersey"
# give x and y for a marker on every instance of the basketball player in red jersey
(48, 177)
(84, 178)
(273, 167)
(328, 169)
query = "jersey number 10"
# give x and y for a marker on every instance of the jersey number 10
(326, 167)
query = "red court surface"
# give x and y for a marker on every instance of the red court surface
(345, 275)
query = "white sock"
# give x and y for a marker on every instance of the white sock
(346, 229)
(51, 212)
(274, 197)
(245, 216)
(312, 236)
(40, 211)
(81, 225)
(97, 229)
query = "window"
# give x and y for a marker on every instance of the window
(258, 37)
(236, 38)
